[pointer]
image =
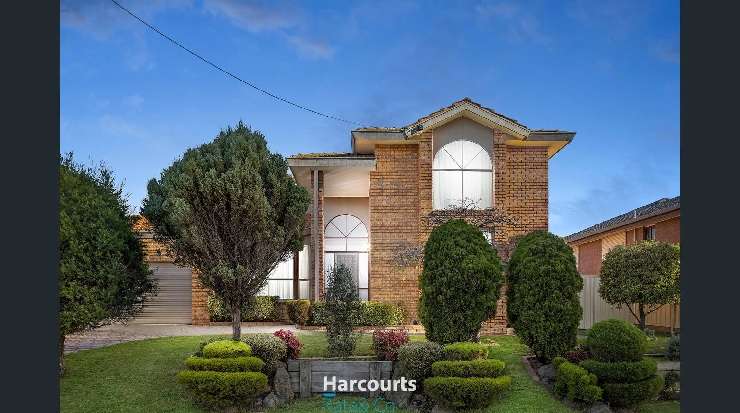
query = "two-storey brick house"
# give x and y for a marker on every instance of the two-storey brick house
(370, 204)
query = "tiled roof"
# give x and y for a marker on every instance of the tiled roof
(461, 102)
(658, 207)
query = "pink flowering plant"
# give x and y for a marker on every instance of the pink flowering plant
(291, 341)
(387, 342)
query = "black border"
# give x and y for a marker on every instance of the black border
(30, 64)
(709, 164)
(710, 157)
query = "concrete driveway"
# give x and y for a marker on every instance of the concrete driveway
(120, 333)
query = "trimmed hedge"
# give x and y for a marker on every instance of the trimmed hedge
(298, 311)
(616, 340)
(263, 308)
(543, 287)
(460, 282)
(631, 394)
(224, 364)
(621, 371)
(226, 349)
(471, 368)
(372, 313)
(416, 359)
(219, 390)
(465, 393)
(575, 383)
(465, 351)
(267, 347)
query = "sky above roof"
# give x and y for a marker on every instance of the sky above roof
(608, 70)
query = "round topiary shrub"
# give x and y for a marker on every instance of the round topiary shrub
(416, 359)
(459, 284)
(468, 368)
(543, 286)
(226, 349)
(621, 371)
(616, 340)
(465, 351)
(224, 364)
(631, 394)
(465, 392)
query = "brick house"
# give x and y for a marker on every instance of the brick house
(370, 204)
(659, 221)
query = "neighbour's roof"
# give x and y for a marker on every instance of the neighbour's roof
(658, 207)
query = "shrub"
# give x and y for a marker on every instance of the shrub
(262, 308)
(318, 314)
(575, 383)
(465, 393)
(631, 394)
(342, 306)
(292, 343)
(471, 368)
(375, 313)
(417, 358)
(578, 354)
(672, 386)
(673, 351)
(267, 347)
(202, 344)
(224, 364)
(370, 313)
(459, 283)
(647, 274)
(220, 390)
(465, 351)
(226, 349)
(298, 311)
(543, 286)
(621, 371)
(387, 342)
(616, 340)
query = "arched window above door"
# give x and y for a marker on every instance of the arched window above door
(345, 233)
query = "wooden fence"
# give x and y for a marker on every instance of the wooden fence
(595, 309)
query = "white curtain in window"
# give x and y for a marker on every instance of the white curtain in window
(462, 170)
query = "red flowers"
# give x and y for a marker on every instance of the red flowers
(294, 346)
(387, 342)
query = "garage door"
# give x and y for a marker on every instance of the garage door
(172, 304)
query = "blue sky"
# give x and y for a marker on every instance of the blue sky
(608, 70)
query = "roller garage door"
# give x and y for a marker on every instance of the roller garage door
(173, 302)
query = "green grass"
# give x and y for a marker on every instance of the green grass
(141, 376)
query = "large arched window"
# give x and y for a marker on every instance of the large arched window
(462, 172)
(346, 242)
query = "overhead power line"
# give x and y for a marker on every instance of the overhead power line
(230, 74)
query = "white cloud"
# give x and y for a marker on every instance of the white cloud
(517, 24)
(255, 16)
(311, 48)
(117, 127)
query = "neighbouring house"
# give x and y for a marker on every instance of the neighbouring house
(658, 221)
(374, 203)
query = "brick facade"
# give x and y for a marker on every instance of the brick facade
(401, 200)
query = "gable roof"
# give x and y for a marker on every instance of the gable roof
(658, 207)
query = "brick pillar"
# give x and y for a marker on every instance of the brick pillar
(317, 237)
(200, 303)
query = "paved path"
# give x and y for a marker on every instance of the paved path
(119, 333)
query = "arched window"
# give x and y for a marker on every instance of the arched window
(462, 172)
(346, 242)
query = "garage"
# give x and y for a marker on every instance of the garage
(173, 303)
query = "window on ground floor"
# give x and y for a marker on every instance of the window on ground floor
(346, 242)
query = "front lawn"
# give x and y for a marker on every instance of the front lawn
(140, 376)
